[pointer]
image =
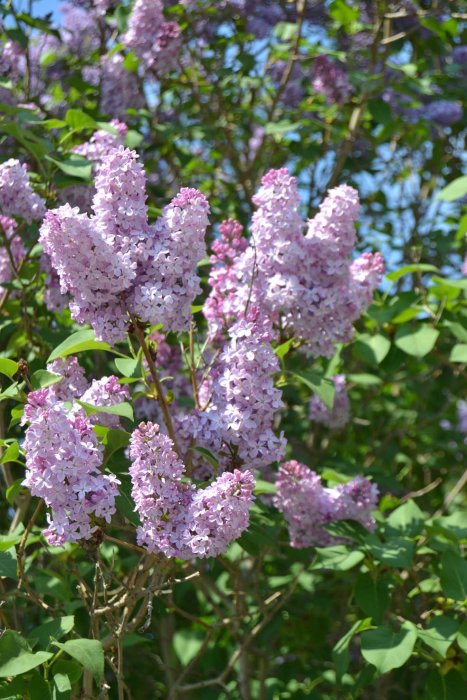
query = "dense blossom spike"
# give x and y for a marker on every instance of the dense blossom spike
(17, 197)
(307, 505)
(338, 415)
(73, 383)
(155, 41)
(306, 284)
(114, 262)
(63, 462)
(177, 519)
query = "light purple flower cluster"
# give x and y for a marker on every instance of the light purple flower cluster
(63, 460)
(459, 55)
(119, 89)
(307, 284)
(308, 506)
(153, 271)
(155, 41)
(79, 31)
(176, 518)
(331, 80)
(338, 415)
(73, 383)
(17, 198)
(102, 142)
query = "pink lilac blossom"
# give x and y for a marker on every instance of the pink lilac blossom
(153, 271)
(308, 506)
(104, 392)
(17, 198)
(329, 79)
(119, 87)
(79, 32)
(240, 404)
(177, 519)
(155, 41)
(306, 284)
(63, 460)
(102, 142)
(338, 415)
(73, 383)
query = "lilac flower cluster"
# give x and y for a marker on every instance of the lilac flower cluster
(177, 519)
(308, 506)
(63, 460)
(73, 383)
(155, 41)
(153, 272)
(307, 284)
(443, 112)
(102, 142)
(331, 80)
(119, 87)
(338, 415)
(17, 197)
(79, 31)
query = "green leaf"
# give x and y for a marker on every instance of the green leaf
(78, 120)
(372, 348)
(340, 653)
(55, 629)
(78, 342)
(364, 379)
(75, 166)
(410, 269)
(43, 378)
(386, 649)
(455, 190)
(8, 367)
(372, 595)
(69, 668)
(264, 487)
(16, 657)
(125, 410)
(88, 652)
(325, 388)
(128, 367)
(207, 455)
(459, 353)
(440, 633)
(282, 350)
(186, 645)
(453, 575)
(461, 638)
(62, 683)
(337, 558)
(406, 520)
(14, 490)
(8, 563)
(11, 453)
(397, 553)
(445, 686)
(417, 343)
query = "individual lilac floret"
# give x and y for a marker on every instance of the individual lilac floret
(338, 415)
(443, 112)
(103, 392)
(176, 519)
(308, 506)
(331, 80)
(17, 197)
(155, 42)
(73, 383)
(63, 462)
